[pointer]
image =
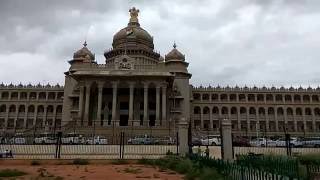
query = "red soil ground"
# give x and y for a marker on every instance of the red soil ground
(97, 170)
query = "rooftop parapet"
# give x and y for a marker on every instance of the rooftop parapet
(30, 86)
(255, 89)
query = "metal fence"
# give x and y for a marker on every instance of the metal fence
(71, 146)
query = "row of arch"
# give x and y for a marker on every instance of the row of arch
(255, 110)
(32, 95)
(256, 97)
(30, 109)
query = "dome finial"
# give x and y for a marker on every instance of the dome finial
(134, 15)
(85, 43)
(174, 45)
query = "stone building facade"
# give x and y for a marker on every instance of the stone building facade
(137, 88)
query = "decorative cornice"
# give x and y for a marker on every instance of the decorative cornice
(30, 86)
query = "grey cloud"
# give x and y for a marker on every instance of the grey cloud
(253, 42)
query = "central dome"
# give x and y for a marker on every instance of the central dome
(133, 36)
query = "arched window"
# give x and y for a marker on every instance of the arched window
(297, 98)
(287, 98)
(205, 97)
(308, 111)
(215, 110)
(206, 110)
(224, 110)
(262, 111)
(196, 96)
(243, 110)
(40, 109)
(59, 109)
(51, 95)
(251, 97)
(299, 111)
(289, 111)
(42, 95)
(223, 97)
(31, 108)
(233, 110)
(280, 111)
(252, 111)
(3, 108)
(260, 97)
(50, 109)
(14, 95)
(214, 97)
(23, 95)
(242, 97)
(233, 97)
(196, 110)
(278, 97)
(22, 108)
(12, 108)
(317, 112)
(269, 97)
(315, 98)
(306, 98)
(270, 111)
(5, 95)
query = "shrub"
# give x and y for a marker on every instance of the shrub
(80, 162)
(183, 166)
(35, 163)
(210, 173)
(11, 173)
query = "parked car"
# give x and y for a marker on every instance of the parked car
(196, 141)
(241, 142)
(312, 142)
(166, 140)
(17, 139)
(73, 138)
(213, 140)
(144, 139)
(294, 142)
(45, 138)
(97, 140)
(258, 142)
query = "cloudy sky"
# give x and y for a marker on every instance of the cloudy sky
(226, 42)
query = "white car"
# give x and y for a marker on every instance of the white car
(213, 140)
(294, 142)
(258, 142)
(73, 138)
(312, 142)
(45, 139)
(97, 140)
(17, 140)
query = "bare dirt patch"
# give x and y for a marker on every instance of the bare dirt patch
(58, 170)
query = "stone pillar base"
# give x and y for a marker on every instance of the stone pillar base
(136, 122)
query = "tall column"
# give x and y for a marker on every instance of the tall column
(6, 117)
(80, 114)
(210, 119)
(157, 105)
(100, 88)
(114, 100)
(295, 124)
(164, 105)
(131, 118)
(239, 119)
(35, 115)
(145, 106)
(267, 119)
(44, 116)
(304, 119)
(201, 118)
(313, 120)
(25, 116)
(86, 110)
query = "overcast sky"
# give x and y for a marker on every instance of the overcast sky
(226, 42)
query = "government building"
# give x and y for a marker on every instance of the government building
(139, 89)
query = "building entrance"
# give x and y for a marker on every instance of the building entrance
(124, 120)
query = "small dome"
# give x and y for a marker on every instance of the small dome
(174, 54)
(84, 53)
(133, 33)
